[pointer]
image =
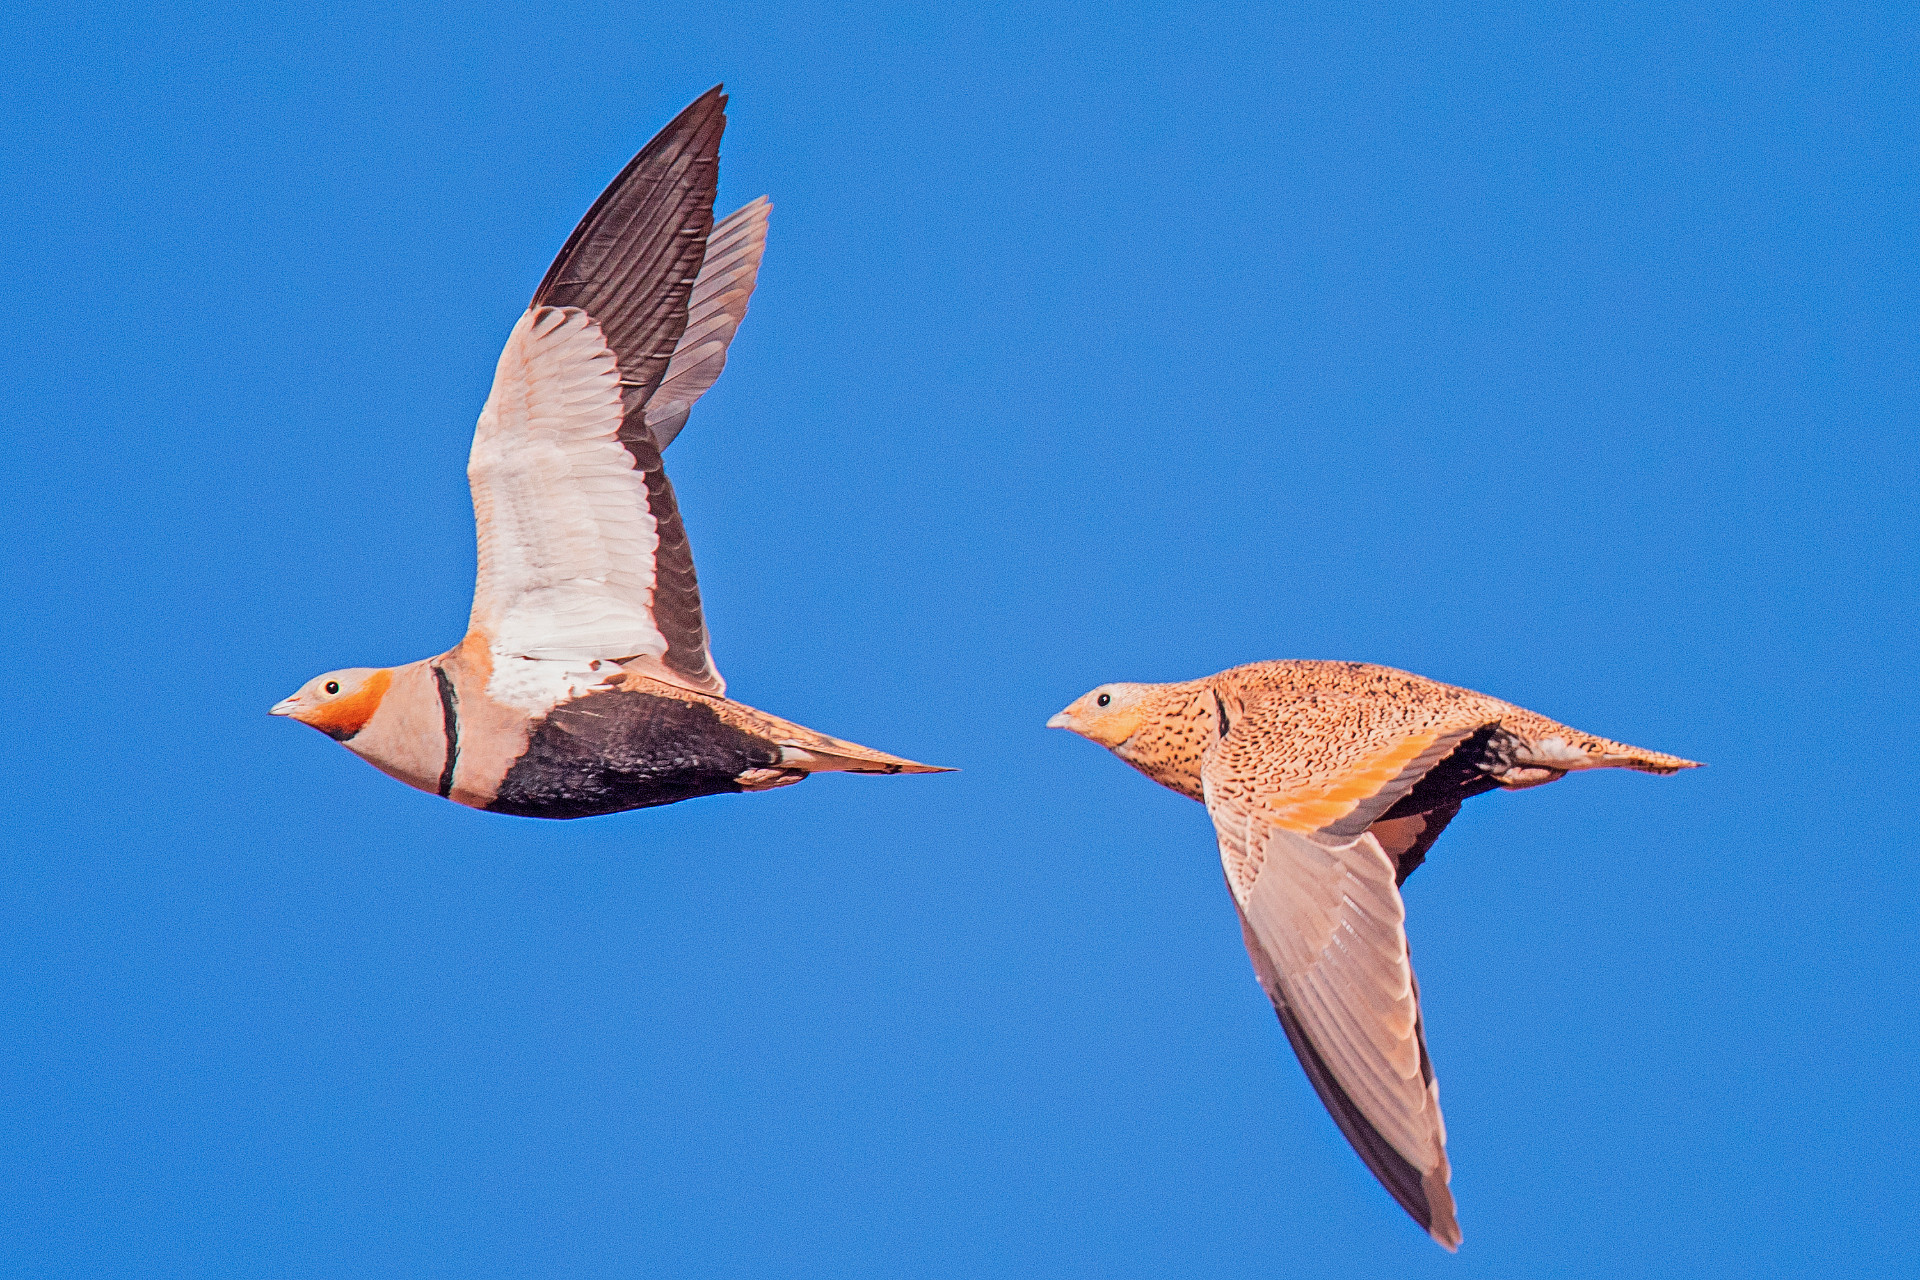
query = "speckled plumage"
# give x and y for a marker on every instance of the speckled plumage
(1334, 715)
(1327, 783)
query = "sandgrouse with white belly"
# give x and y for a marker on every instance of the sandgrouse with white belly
(584, 684)
(1327, 783)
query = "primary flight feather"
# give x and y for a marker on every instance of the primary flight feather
(585, 684)
(1327, 783)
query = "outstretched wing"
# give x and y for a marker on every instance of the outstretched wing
(1324, 924)
(582, 552)
(714, 313)
(1325, 929)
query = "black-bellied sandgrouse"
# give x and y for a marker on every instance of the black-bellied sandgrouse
(584, 684)
(1327, 783)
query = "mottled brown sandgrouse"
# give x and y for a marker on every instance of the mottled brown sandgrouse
(1327, 783)
(584, 684)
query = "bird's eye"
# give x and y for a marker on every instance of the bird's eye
(1104, 699)
(333, 687)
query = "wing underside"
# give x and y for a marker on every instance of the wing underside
(714, 311)
(1325, 927)
(1325, 930)
(583, 555)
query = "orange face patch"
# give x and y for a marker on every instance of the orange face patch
(1111, 728)
(344, 717)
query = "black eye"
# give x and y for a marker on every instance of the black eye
(333, 686)
(1104, 699)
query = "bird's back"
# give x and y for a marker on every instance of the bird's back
(1336, 714)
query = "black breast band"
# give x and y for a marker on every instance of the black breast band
(450, 709)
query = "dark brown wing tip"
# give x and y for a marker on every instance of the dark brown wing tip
(692, 118)
(1424, 1196)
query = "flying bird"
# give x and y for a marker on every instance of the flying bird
(585, 684)
(1327, 783)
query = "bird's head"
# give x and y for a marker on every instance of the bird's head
(339, 703)
(1108, 715)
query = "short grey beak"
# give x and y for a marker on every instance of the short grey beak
(284, 707)
(1061, 720)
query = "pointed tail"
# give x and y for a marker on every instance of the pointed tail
(802, 748)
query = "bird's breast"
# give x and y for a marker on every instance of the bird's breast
(406, 735)
(1169, 744)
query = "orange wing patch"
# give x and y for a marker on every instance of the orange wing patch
(1309, 809)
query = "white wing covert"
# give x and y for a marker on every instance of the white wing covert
(566, 538)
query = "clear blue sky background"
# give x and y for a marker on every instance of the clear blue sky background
(1565, 352)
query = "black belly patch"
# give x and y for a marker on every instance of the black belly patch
(622, 750)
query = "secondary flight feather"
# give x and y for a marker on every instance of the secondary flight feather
(585, 683)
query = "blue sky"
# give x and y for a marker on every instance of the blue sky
(1564, 352)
